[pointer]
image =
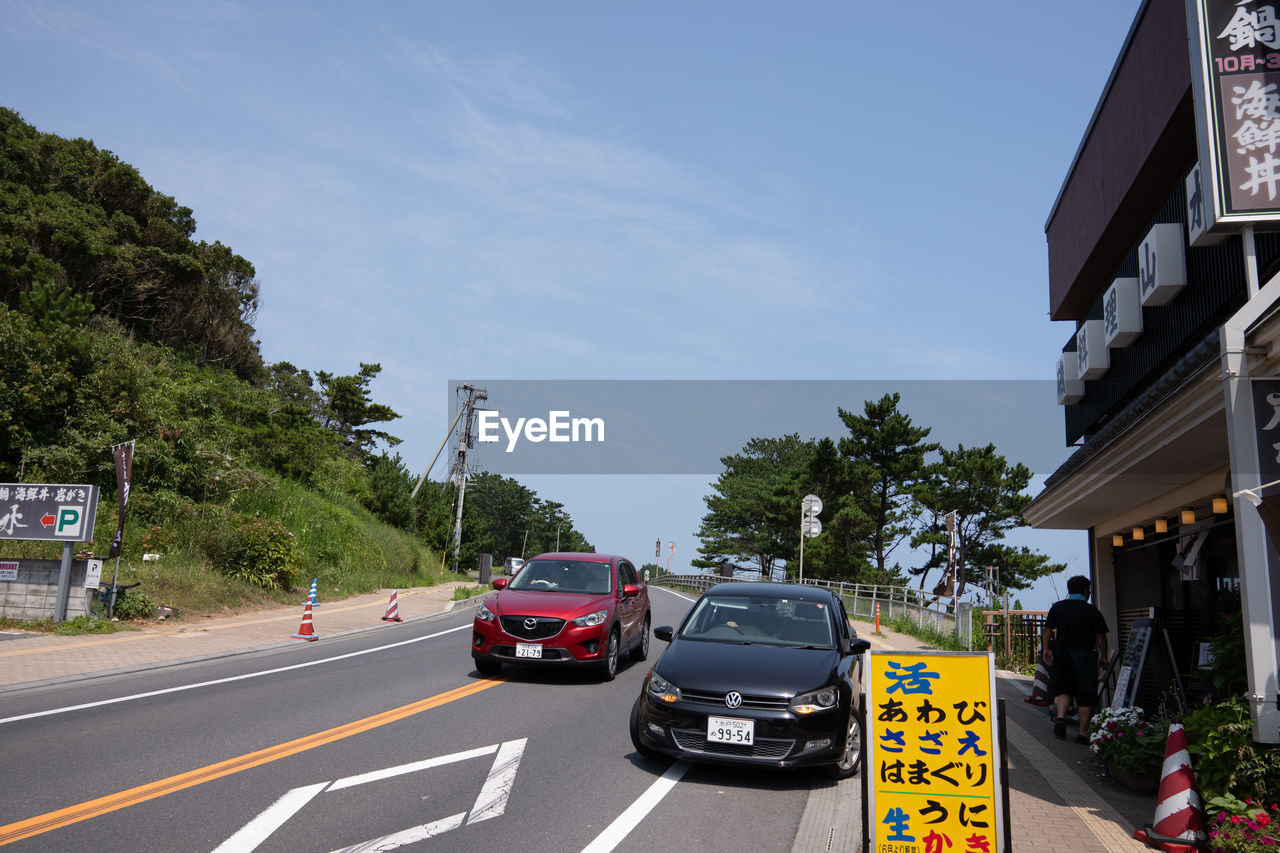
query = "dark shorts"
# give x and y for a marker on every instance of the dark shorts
(1075, 672)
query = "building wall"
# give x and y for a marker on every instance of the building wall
(34, 594)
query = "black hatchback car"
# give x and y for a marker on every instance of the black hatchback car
(761, 674)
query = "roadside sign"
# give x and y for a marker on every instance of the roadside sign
(47, 512)
(8, 571)
(933, 755)
(93, 574)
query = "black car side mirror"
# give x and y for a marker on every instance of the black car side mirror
(858, 645)
(664, 633)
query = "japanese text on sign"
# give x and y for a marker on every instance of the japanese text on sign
(933, 756)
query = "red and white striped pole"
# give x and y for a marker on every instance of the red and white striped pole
(877, 617)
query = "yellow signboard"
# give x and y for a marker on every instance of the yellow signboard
(933, 755)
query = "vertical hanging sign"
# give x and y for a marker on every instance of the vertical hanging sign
(123, 454)
(933, 756)
(1235, 84)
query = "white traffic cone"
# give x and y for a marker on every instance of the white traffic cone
(1179, 820)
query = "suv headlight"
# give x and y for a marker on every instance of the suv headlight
(661, 689)
(591, 619)
(823, 699)
(484, 614)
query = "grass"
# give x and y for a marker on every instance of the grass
(462, 593)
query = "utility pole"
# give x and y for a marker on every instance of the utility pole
(466, 441)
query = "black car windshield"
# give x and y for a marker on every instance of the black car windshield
(759, 620)
(564, 576)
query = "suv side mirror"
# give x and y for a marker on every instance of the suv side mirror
(630, 590)
(499, 583)
(858, 645)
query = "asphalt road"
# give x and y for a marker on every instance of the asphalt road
(371, 742)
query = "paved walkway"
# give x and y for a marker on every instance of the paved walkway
(29, 660)
(1058, 802)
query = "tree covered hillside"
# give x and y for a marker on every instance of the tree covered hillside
(117, 325)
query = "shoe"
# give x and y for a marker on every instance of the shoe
(1082, 739)
(1060, 728)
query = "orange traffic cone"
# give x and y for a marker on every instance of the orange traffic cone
(393, 610)
(1040, 684)
(306, 632)
(1179, 820)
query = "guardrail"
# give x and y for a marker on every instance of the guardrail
(925, 609)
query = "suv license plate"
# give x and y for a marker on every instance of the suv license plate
(528, 650)
(731, 730)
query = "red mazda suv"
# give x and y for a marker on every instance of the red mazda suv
(564, 609)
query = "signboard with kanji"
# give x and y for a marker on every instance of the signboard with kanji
(933, 756)
(59, 513)
(1235, 63)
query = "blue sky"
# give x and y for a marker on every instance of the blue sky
(554, 190)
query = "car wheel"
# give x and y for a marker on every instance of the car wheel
(641, 649)
(847, 765)
(609, 667)
(487, 667)
(645, 751)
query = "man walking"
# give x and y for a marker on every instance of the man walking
(1074, 643)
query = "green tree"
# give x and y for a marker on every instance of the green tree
(346, 408)
(888, 452)
(988, 497)
(754, 510)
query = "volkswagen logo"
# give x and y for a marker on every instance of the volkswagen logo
(733, 699)
(530, 623)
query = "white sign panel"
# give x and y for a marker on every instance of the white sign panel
(8, 571)
(93, 574)
(1093, 359)
(1070, 386)
(1122, 313)
(1162, 264)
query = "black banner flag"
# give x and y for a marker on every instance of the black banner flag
(123, 454)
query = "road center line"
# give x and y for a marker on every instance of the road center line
(248, 675)
(613, 834)
(162, 787)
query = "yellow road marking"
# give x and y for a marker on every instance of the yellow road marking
(163, 787)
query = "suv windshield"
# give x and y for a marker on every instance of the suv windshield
(564, 576)
(764, 620)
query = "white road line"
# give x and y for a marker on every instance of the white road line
(408, 836)
(248, 675)
(673, 592)
(253, 833)
(492, 800)
(388, 772)
(613, 834)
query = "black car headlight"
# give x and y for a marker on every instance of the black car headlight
(484, 614)
(822, 699)
(661, 689)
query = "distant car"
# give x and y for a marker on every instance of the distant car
(513, 566)
(760, 674)
(564, 610)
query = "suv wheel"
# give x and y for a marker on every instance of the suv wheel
(487, 667)
(609, 667)
(640, 650)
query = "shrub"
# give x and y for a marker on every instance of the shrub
(134, 605)
(257, 551)
(1244, 827)
(1129, 739)
(1227, 761)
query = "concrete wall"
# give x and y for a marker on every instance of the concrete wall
(33, 595)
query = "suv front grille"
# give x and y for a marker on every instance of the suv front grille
(543, 628)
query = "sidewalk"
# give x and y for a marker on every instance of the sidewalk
(31, 660)
(1057, 801)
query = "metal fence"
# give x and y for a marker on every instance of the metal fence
(1016, 639)
(938, 612)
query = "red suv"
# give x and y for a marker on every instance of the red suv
(565, 609)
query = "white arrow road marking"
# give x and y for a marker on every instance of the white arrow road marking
(613, 834)
(491, 802)
(256, 831)
(497, 788)
(409, 836)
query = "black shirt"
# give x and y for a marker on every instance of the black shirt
(1077, 622)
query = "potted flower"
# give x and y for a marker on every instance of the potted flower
(1132, 746)
(1243, 827)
